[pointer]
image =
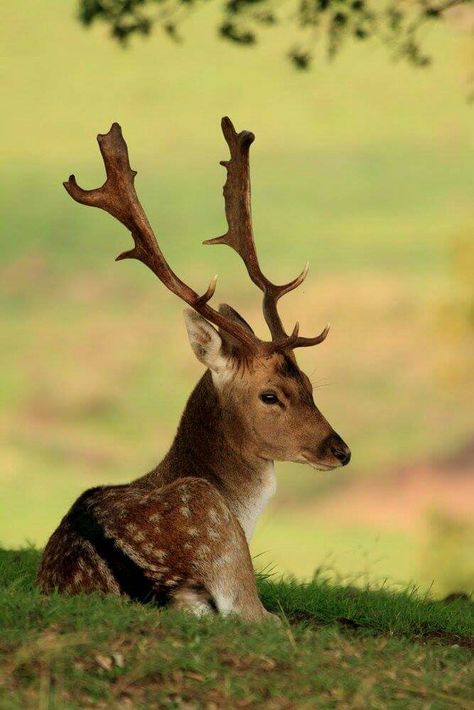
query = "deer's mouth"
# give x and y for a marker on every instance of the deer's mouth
(316, 463)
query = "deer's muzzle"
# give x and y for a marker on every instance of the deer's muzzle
(336, 448)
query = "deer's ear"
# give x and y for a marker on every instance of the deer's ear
(232, 314)
(231, 344)
(205, 341)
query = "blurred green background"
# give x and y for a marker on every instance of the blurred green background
(362, 166)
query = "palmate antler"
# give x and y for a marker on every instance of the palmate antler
(118, 197)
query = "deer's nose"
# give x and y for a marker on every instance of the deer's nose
(340, 450)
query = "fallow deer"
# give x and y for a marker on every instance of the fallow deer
(180, 534)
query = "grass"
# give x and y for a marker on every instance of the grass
(336, 647)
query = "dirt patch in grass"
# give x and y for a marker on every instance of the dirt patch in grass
(350, 625)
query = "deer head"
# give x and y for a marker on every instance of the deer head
(266, 399)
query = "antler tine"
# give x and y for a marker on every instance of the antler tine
(239, 236)
(308, 342)
(118, 197)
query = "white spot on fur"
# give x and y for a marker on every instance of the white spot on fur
(214, 516)
(203, 550)
(223, 560)
(184, 510)
(155, 518)
(194, 532)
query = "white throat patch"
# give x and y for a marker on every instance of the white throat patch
(256, 504)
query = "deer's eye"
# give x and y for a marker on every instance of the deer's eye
(269, 398)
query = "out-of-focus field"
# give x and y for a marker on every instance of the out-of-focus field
(362, 166)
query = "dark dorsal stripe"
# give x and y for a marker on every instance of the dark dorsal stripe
(128, 574)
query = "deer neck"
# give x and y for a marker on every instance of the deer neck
(208, 446)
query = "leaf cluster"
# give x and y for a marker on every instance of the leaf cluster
(397, 24)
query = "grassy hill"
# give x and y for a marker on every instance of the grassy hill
(336, 647)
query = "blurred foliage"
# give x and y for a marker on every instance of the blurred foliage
(397, 25)
(454, 315)
(448, 556)
(462, 266)
(462, 259)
